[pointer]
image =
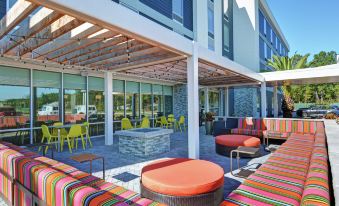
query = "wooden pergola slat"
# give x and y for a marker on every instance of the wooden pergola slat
(56, 29)
(96, 50)
(79, 32)
(29, 28)
(20, 10)
(82, 44)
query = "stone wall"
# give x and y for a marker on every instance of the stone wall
(245, 102)
(180, 100)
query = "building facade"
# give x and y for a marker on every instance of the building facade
(240, 30)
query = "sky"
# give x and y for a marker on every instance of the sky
(310, 26)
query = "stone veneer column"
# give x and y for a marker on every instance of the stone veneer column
(180, 100)
(245, 102)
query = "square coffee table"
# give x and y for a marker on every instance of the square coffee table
(88, 157)
(243, 150)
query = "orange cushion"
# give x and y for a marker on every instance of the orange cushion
(182, 177)
(237, 140)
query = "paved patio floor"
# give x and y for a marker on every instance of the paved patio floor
(124, 170)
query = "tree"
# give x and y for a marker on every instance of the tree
(286, 63)
(324, 93)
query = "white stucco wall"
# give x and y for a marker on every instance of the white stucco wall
(246, 33)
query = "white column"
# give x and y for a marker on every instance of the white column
(263, 100)
(201, 22)
(207, 103)
(226, 102)
(31, 108)
(108, 108)
(275, 101)
(193, 104)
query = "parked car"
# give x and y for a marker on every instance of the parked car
(316, 111)
(81, 109)
(49, 109)
(7, 111)
(334, 110)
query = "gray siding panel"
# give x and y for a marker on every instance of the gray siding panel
(162, 6)
(188, 14)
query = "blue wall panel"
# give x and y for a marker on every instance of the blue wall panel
(188, 14)
(162, 6)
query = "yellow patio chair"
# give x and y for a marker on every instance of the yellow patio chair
(85, 132)
(47, 135)
(181, 123)
(73, 135)
(145, 123)
(164, 122)
(171, 119)
(126, 124)
(158, 122)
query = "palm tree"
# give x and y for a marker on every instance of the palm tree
(286, 63)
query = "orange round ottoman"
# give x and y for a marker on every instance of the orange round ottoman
(181, 181)
(224, 144)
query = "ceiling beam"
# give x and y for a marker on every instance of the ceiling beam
(150, 53)
(150, 63)
(75, 45)
(116, 46)
(20, 10)
(54, 30)
(115, 57)
(75, 34)
(28, 28)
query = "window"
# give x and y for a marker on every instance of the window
(74, 98)
(96, 105)
(210, 25)
(14, 100)
(261, 23)
(118, 99)
(202, 99)
(274, 38)
(158, 101)
(226, 38)
(213, 99)
(268, 32)
(46, 90)
(146, 100)
(132, 100)
(168, 96)
(262, 48)
(178, 10)
(268, 52)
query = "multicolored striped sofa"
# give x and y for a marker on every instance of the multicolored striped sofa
(296, 174)
(285, 127)
(249, 126)
(36, 179)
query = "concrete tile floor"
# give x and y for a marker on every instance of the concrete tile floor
(124, 170)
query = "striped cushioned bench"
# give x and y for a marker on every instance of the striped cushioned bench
(56, 183)
(249, 126)
(120, 193)
(296, 174)
(287, 127)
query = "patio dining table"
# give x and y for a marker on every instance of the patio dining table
(67, 126)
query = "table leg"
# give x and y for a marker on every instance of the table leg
(103, 167)
(90, 167)
(59, 141)
(231, 158)
(238, 160)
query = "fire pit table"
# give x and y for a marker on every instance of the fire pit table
(144, 142)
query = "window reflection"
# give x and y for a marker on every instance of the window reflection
(14, 106)
(46, 106)
(75, 106)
